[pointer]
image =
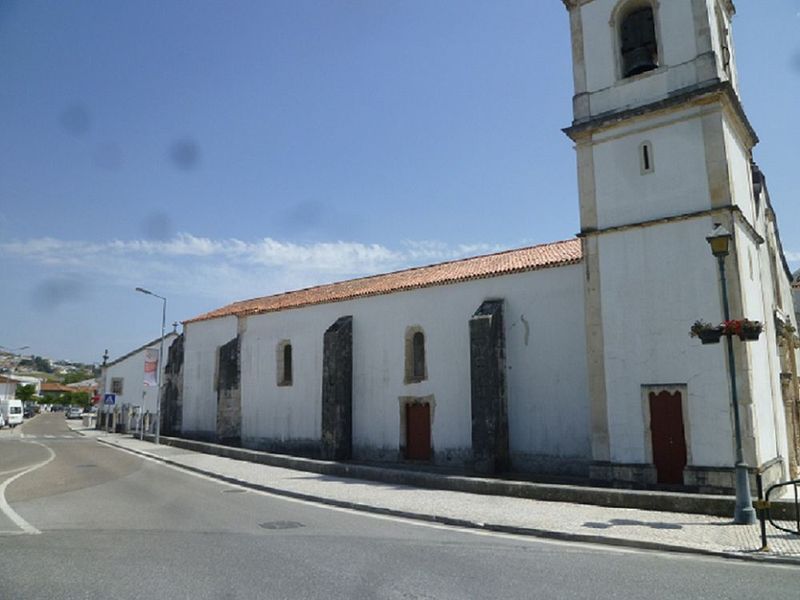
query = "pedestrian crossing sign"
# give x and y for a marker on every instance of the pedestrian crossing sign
(109, 399)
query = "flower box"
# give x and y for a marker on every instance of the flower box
(708, 333)
(746, 329)
(710, 336)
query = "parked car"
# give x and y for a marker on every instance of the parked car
(29, 410)
(11, 411)
(74, 412)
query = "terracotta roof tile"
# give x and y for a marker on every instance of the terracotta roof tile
(54, 386)
(555, 254)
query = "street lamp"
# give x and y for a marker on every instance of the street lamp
(719, 240)
(160, 359)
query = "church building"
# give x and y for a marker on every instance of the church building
(571, 358)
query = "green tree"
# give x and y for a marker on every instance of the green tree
(26, 392)
(38, 363)
(77, 398)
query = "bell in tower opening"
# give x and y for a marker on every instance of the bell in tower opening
(638, 42)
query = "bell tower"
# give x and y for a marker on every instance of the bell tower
(663, 153)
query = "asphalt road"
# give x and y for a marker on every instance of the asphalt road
(94, 522)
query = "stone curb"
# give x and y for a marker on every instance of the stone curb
(467, 524)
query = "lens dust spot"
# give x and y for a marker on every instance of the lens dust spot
(796, 62)
(157, 226)
(108, 156)
(52, 293)
(75, 119)
(185, 154)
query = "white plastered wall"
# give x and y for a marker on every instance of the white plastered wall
(739, 172)
(656, 282)
(202, 340)
(131, 370)
(547, 388)
(762, 366)
(678, 183)
(755, 275)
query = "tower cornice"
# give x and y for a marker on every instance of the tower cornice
(721, 91)
(570, 4)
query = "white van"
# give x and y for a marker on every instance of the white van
(11, 412)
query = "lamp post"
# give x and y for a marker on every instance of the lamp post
(102, 410)
(160, 366)
(719, 239)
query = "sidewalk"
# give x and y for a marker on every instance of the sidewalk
(556, 520)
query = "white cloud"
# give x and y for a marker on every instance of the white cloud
(227, 268)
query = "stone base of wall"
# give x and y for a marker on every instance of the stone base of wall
(461, 459)
(456, 458)
(372, 454)
(307, 448)
(623, 475)
(538, 464)
(715, 480)
(704, 480)
(200, 436)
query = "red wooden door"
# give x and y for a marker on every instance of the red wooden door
(418, 431)
(669, 442)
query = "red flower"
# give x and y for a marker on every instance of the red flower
(732, 327)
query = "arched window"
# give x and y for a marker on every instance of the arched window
(638, 45)
(416, 369)
(284, 356)
(287, 363)
(418, 349)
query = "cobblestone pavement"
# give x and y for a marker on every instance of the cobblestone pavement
(619, 526)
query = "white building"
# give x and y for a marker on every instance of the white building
(125, 378)
(572, 357)
(8, 388)
(36, 382)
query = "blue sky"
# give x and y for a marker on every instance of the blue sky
(217, 151)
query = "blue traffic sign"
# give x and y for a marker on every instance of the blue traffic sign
(110, 399)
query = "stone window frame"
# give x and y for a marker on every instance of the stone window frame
(647, 163)
(410, 374)
(618, 15)
(280, 364)
(117, 385)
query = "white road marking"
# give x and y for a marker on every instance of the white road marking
(11, 471)
(6, 509)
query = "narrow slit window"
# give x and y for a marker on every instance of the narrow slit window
(646, 158)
